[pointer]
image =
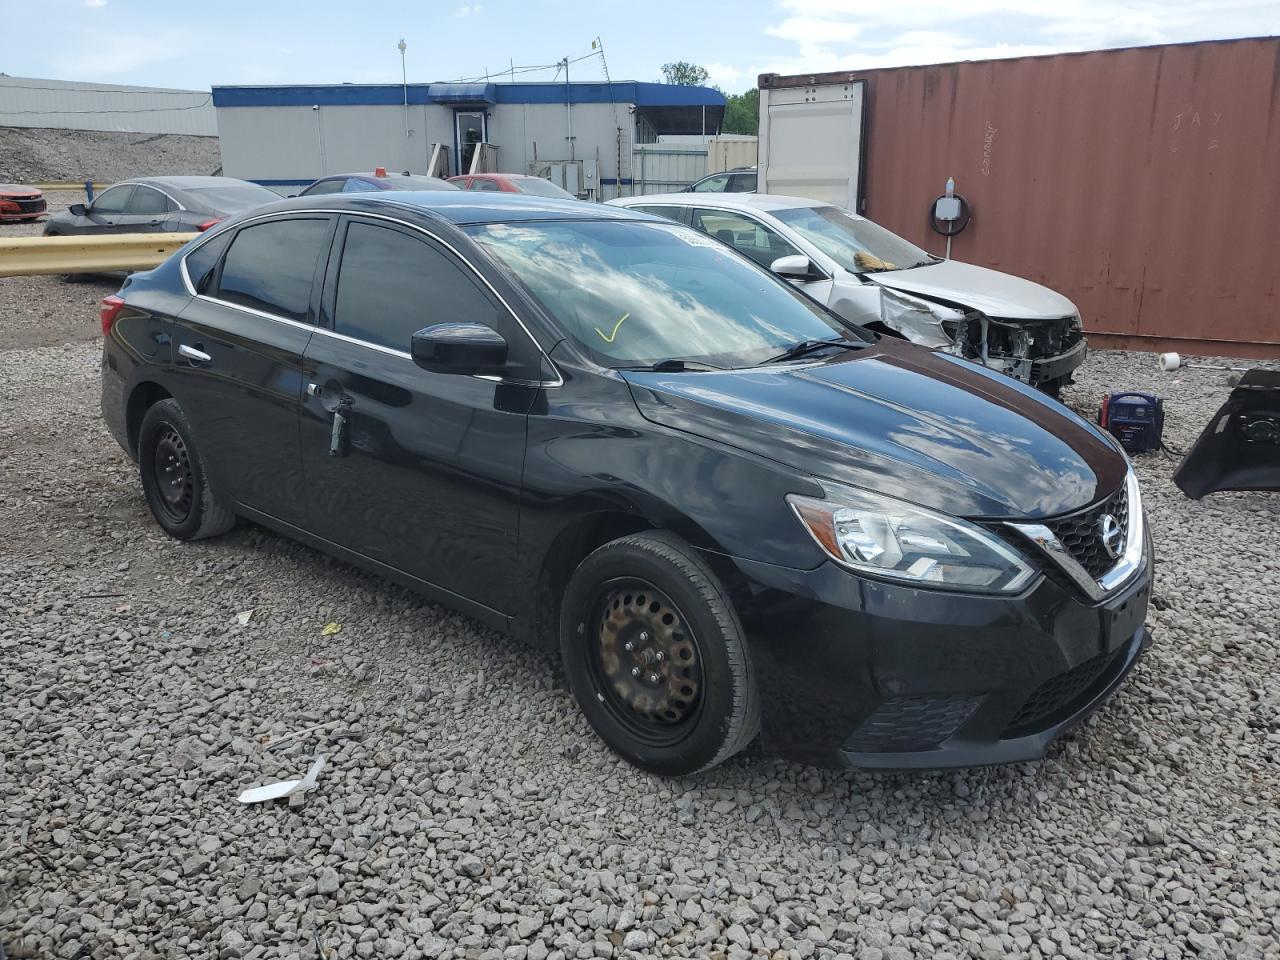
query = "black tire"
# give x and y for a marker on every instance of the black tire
(173, 476)
(688, 710)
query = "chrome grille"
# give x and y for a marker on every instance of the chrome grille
(1081, 536)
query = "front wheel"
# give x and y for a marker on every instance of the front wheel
(173, 476)
(656, 657)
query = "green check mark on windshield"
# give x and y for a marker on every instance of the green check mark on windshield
(610, 337)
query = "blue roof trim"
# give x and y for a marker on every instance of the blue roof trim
(351, 94)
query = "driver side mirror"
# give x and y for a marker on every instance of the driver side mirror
(460, 348)
(797, 268)
(78, 210)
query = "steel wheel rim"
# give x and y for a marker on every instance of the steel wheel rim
(645, 661)
(175, 485)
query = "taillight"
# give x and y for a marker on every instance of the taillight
(202, 227)
(380, 171)
(108, 311)
(9, 206)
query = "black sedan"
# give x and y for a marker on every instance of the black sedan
(730, 510)
(160, 204)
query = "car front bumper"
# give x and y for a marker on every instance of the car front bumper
(857, 672)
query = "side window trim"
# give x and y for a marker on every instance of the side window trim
(216, 281)
(330, 267)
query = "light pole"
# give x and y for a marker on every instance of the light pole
(404, 82)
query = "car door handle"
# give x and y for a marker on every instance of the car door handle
(193, 354)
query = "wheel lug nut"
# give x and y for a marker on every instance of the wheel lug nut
(644, 636)
(635, 671)
(628, 646)
(654, 678)
(660, 656)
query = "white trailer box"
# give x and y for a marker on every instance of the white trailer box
(811, 137)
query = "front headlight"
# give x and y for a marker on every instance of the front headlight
(887, 538)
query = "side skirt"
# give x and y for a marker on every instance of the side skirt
(490, 617)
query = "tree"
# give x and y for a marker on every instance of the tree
(742, 113)
(684, 74)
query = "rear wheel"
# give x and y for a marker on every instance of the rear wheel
(656, 657)
(173, 476)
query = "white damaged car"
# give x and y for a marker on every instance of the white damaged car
(873, 277)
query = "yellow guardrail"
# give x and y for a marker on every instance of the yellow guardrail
(29, 256)
(66, 185)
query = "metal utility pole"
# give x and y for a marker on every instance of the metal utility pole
(404, 82)
(568, 105)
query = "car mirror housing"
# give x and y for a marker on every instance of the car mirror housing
(78, 210)
(460, 348)
(795, 267)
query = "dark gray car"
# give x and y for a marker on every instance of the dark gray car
(160, 204)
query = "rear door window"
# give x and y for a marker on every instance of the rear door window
(145, 200)
(671, 213)
(271, 266)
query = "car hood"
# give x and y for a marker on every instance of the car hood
(901, 420)
(18, 190)
(994, 293)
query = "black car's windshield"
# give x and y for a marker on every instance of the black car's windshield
(856, 244)
(635, 293)
(229, 199)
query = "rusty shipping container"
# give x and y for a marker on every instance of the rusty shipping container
(1143, 183)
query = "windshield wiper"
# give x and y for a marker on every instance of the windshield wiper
(674, 365)
(806, 347)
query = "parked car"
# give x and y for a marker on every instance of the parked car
(379, 179)
(19, 204)
(511, 183)
(873, 277)
(729, 508)
(159, 204)
(737, 180)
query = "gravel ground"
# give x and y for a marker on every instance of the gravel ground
(34, 154)
(468, 811)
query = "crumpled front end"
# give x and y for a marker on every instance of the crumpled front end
(1040, 352)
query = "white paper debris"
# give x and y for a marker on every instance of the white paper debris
(244, 617)
(285, 788)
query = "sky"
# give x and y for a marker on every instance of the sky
(196, 45)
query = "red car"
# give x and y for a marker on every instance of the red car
(19, 204)
(511, 183)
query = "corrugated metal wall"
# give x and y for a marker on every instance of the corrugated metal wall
(67, 105)
(1142, 183)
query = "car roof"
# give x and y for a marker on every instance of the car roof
(736, 201)
(188, 183)
(396, 181)
(464, 206)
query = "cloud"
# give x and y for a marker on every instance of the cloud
(95, 4)
(833, 35)
(727, 77)
(468, 10)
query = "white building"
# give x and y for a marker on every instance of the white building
(584, 135)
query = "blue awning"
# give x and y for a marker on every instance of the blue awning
(486, 93)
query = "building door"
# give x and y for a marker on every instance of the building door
(470, 129)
